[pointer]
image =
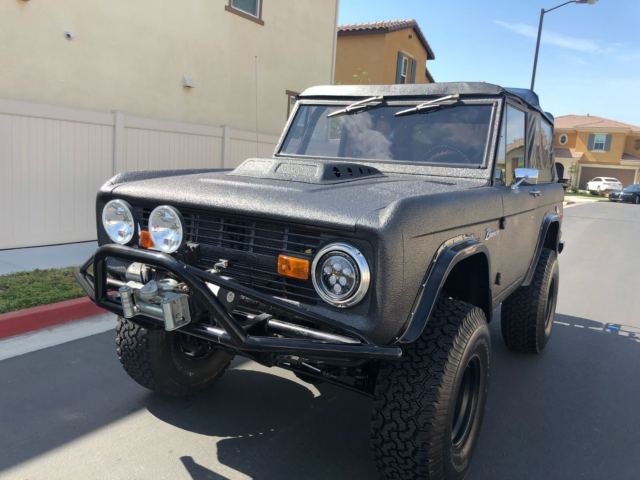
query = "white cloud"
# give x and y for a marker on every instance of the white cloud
(583, 45)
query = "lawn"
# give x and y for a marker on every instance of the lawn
(39, 287)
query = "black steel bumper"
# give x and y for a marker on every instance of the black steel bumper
(228, 331)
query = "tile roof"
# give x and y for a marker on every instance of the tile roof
(563, 152)
(385, 27)
(591, 121)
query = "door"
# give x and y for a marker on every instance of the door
(520, 206)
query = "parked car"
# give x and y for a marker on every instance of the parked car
(629, 194)
(604, 185)
(369, 252)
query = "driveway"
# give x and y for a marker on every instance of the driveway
(70, 412)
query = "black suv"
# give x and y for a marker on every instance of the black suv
(370, 252)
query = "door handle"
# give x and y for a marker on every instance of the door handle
(535, 193)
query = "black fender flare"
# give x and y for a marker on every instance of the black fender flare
(448, 256)
(549, 219)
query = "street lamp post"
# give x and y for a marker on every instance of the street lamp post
(542, 12)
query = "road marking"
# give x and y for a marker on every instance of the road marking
(562, 323)
(50, 337)
(579, 326)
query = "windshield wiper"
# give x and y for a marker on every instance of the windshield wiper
(359, 106)
(430, 105)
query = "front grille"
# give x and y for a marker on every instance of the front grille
(252, 248)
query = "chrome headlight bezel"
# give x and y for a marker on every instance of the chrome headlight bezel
(130, 223)
(158, 243)
(352, 255)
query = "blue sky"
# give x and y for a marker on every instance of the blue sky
(589, 60)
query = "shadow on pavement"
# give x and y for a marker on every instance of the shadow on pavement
(276, 428)
(572, 412)
(569, 413)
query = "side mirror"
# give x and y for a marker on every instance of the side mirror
(529, 175)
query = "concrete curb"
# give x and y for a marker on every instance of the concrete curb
(43, 316)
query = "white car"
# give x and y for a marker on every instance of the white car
(603, 185)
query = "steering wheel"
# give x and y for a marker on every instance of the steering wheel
(444, 150)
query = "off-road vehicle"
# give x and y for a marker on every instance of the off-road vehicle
(369, 251)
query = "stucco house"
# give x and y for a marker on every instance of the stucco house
(394, 51)
(588, 146)
(89, 88)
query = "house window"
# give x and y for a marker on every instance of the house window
(563, 139)
(636, 143)
(291, 101)
(249, 9)
(599, 142)
(405, 69)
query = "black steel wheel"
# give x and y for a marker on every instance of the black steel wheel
(428, 406)
(169, 363)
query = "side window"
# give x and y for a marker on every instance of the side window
(511, 147)
(542, 156)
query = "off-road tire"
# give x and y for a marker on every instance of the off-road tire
(154, 360)
(416, 397)
(528, 313)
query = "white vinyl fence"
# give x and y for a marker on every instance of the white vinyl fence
(53, 160)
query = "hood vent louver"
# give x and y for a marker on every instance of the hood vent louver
(307, 171)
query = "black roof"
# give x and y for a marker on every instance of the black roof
(425, 89)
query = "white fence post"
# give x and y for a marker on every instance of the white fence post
(226, 145)
(118, 141)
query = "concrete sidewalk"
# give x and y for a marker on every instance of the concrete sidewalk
(56, 256)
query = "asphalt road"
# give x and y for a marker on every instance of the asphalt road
(70, 412)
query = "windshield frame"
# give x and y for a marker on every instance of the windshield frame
(494, 102)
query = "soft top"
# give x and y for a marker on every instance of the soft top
(425, 89)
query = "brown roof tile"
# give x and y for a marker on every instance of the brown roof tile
(563, 152)
(385, 27)
(591, 121)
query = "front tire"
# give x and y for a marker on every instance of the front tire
(168, 363)
(428, 406)
(528, 314)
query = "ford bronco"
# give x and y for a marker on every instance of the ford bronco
(369, 251)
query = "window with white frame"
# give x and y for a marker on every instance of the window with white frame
(404, 69)
(599, 141)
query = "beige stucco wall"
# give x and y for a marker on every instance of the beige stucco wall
(630, 145)
(571, 139)
(612, 156)
(376, 54)
(407, 42)
(131, 56)
(360, 59)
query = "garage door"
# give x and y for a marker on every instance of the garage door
(625, 175)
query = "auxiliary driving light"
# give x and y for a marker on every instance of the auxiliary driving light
(165, 227)
(118, 222)
(340, 275)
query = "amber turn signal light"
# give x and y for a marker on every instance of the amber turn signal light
(293, 267)
(145, 239)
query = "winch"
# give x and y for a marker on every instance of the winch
(160, 299)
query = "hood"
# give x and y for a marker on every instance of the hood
(330, 194)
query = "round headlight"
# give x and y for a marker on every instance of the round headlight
(165, 227)
(118, 222)
(340, 275)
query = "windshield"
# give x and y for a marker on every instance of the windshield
(450, 135)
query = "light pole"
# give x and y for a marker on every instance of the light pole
(542, 12)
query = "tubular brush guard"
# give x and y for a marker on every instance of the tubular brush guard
(231, 334)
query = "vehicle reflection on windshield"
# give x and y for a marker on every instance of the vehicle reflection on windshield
(453, 135)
